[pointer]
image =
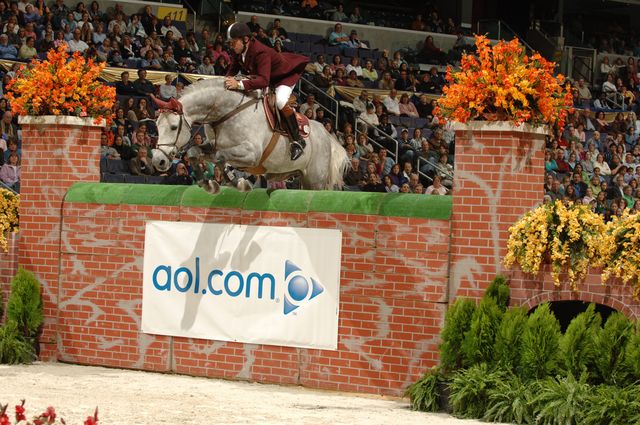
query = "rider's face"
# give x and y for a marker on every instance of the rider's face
(237, 45)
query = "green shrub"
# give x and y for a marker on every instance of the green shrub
(506, 352)
(510, 401)
(13, 347)
(612, 405)
(424, 394)
(632, 355)
(480, 338)
(578, 344)
(611, 345)
(499, 290)
(539, 354)
(470, 389)
(457, 321)
(560, 401)
(25, 303)
(1, 306)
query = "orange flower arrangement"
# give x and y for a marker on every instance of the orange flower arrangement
(61, 85)
(501, 83)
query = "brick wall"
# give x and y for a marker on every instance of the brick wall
(8, 268)
(393, 280)
(56, 152)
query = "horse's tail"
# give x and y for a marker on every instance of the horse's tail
(339, 165)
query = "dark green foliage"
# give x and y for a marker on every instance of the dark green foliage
(510, 401)
(561, 401)
(25, 303)
(1, 306)
(632, 355)
(499, 290)
(578, 344)
(539, 355)
(611, 347)
(506, 352)
(456, 323)
(424, 394)
(13, 347)
(480, 338)
(612, 405)
(470, 389)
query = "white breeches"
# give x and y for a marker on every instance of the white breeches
(283, 93)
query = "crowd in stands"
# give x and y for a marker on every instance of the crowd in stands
(595, 162)
(425, 17)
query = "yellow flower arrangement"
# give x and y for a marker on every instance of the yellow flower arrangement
(9, 215)
(571, 237)
(624, 259)
(501, 82)
(61, 85)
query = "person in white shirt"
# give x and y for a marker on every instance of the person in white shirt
(368, 120)
(360, 102)
(168, 90)
(354, 65)
(391, 103)
(167, 26)
(310, 104)
(436, 188)
(76, 44)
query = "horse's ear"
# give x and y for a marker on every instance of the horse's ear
(175, 105)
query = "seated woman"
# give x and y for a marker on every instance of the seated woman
(353, 81)
(369, 72)
(407, 108)
(10, 172)
(180, 177)
(436, 188)
(324, 80)
(430, 53)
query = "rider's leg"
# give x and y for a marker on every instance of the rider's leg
(289, 119)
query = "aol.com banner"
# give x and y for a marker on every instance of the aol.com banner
(252, 284)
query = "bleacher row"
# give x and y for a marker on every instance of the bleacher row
(117, 171)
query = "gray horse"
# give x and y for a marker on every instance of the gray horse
(237, 125)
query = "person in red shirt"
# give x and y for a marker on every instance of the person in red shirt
(266, 68)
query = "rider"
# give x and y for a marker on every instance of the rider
(266, 67)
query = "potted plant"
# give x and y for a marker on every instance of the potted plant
(569, 237)
(502, 83)
(61, 85)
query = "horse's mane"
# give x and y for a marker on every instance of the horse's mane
(213, 82)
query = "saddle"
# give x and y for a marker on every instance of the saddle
(274, 119)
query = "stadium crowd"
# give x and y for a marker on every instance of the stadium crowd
(394, 142)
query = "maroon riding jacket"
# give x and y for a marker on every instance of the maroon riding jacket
(266, 67)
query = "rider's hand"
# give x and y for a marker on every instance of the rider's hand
(231, 83)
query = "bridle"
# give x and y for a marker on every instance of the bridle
(199, 124)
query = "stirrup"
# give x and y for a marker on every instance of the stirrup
(297, 149)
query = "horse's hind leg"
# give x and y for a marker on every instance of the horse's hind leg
(210, 186)
(244, 185)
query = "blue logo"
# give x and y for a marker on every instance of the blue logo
(298, 288)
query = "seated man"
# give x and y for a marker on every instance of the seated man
(142, 85)
(141, 165)
(267, 68)
(337, 37)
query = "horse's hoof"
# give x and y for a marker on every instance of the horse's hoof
(210, 186)
(244, 185)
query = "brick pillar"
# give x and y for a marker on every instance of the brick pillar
(56, 153)
(499, 175)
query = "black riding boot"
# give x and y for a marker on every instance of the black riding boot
(291, 125)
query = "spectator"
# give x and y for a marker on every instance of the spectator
(369, 73)
(28, 50)
(319, 64)
(354, 42)
(605, 66)
(363, 147)
(124, 150)
(336, 64)
(168, 90)
(360, 102)
(206, 67)
(584, 94)
(430, 52)
(391, 103)
(143, 86)
(407, 108)
(354, 177)
(338, 15)
(7, 51)
(10, 172)
(354, 65)
(77, 44)
(180, 177)
(386, 83)
(368, 120)
(310, 104)
(253, 25)
(353, 81)
(356, 16)
(282, 33)
(339, 79)
(324, 80)
(12, 148)
(147, 20)
(337, 37)
(403, 83)
(141, 165)
(167, 26)
(436, 188)
(418, 23)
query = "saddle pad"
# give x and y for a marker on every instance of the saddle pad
(274, 123)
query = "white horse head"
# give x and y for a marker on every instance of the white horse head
(173, 133)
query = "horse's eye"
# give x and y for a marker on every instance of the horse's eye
(174, 127)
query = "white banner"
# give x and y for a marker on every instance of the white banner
(252, 284)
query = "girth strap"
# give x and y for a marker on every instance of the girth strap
(260, 169)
